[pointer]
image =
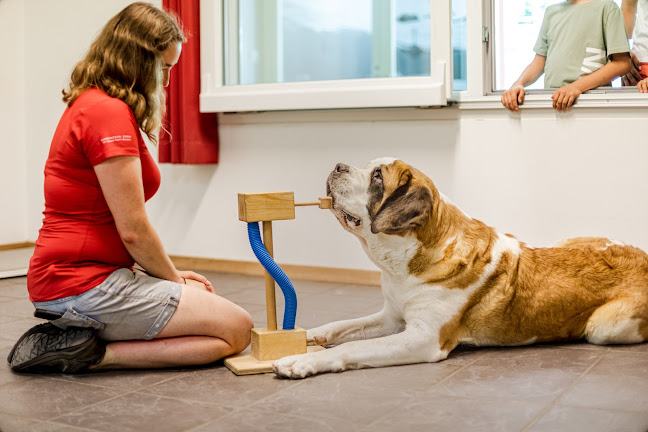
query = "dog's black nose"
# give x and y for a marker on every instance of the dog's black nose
(341, 168)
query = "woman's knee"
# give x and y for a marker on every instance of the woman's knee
(207, 314)
(241, 326)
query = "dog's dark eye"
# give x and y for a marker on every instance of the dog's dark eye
(377, 175)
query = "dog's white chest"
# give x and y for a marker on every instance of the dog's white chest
(392, 253)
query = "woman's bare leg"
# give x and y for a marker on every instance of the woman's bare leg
(204, 328)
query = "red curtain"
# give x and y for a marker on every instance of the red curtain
(194, 135)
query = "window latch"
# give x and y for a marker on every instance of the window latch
(485, 34)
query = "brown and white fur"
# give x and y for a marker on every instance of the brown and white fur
(448, 279)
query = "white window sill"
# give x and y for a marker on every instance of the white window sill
(538, 101)
(337, 94)
(534, 99)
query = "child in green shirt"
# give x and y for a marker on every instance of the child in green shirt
(582, 45)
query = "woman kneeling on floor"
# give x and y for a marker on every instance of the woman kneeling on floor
(97, 177)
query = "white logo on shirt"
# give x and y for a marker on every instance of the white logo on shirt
(116, 138)
(595, 61)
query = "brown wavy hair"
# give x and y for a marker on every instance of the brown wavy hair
(125, 62)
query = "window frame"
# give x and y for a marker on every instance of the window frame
(433, 90)
(480, 93)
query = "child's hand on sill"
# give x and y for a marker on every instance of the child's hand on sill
(513, 97)
(642, 86)
(565, 96)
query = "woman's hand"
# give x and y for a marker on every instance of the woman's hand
(513, 97)
(565, 96)
(197, 280)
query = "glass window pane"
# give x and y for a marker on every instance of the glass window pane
(297, 40)
(459, 37)
(326, 40)
(517, 25)
(412, 37)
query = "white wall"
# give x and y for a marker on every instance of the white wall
(56, 36)
(539, 175)
(13, 163)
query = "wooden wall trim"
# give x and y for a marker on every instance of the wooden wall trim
(21, 245)
(297, 272)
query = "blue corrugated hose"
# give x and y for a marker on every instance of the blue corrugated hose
(290, 310)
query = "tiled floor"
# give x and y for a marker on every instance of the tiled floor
(14, 262)
(573, 387)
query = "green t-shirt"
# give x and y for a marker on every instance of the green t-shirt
(579, 39)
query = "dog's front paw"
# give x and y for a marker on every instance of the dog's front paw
(295, 366)
(317, 336)
(316, 340)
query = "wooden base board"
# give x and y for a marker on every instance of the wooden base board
(245, 364)
(21, 245)
(19, 272)
(311, 273)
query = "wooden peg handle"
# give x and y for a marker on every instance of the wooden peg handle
(323, 203)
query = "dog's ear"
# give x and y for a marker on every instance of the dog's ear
(409, 206)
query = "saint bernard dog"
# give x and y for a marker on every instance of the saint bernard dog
(448, 279)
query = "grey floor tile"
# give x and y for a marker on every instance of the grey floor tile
(56, 427)
(356, 398)
(622, 363)
(12, 330)
(15, 307)
(219, 385)
(439, 413)
(143, 412)
(248, 295)
(635, 348)
(6, 376)
(618, 382)
(15, 290)
(11, 423)
(258, 312)
(606, 391)
(529, 373)
(43, 398)
(357, 305)
(124, 381)
(231, 281)
(247, 420)
(14, 262)
(591, 420)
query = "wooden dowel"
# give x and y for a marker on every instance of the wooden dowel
(271, 305)
(323, 203)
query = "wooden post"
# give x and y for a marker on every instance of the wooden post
(270, 344)
(271, 304)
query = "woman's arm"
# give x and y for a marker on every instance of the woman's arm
(515, 95)
(565, 96)
(120, 178)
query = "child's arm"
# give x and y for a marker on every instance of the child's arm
(514, 96)
(565, 96)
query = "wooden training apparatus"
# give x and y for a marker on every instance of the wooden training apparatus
(270, 344)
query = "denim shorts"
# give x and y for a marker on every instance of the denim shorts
(127, 305)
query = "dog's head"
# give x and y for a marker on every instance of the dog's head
(387, 196)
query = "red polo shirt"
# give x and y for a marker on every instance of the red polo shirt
(78, 245)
